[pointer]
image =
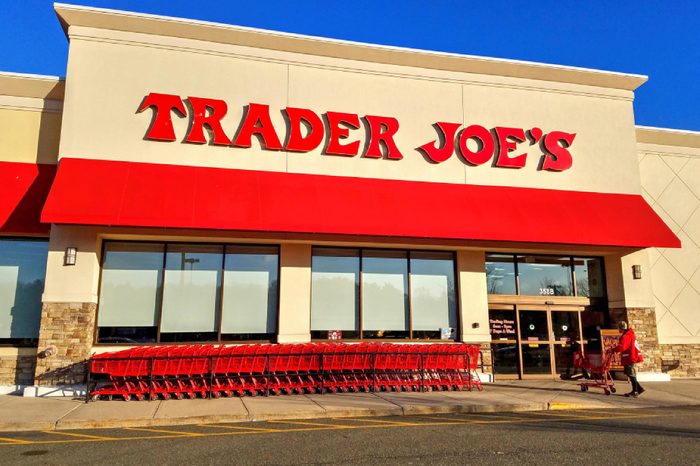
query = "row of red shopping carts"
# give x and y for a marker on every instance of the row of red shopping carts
(174, 372)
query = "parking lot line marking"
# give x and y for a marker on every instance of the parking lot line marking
(387, 423)
(304, 423)
(12, 441)
(249, 429)
(74, 434)
(172, 432)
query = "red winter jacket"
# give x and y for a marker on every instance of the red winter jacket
(629, 349)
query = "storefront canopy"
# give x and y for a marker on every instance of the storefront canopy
(23, 190)
(97, 192)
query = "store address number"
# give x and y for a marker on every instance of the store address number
(546, 291)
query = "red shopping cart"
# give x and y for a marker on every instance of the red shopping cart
(598, 367)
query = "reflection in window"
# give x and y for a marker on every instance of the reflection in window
(545, 276)
(22, 274)
(191, 290)
(500, 274)
(589, 277)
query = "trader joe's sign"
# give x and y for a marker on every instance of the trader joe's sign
(473, 143)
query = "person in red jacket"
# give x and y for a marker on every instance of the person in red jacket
(630, 355)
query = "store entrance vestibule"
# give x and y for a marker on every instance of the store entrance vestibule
(534, 340)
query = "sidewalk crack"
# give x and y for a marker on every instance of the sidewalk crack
(55, 424)
(403, 411)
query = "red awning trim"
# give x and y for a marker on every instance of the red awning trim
(97, 192)
(23, 190)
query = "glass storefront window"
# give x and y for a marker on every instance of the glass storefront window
(433, 293)
(545, 276)
(589, 277)
(22, 275)
(500, 274)
(132, 274)
(249, 307)
(565, 326)
(191, 291)
(335, 292)
(385, 294)
(502, 325)
(158, 292)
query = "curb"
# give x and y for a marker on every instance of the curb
(327, 414)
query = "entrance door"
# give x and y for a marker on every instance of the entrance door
(534, 341)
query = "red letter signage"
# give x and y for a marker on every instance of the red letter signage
(335, 119)
(162, 127)
(257, 121)
(213, 121)
(505, 147)
(440, 154)
(557, 158)
(382, 130)
(297, 141)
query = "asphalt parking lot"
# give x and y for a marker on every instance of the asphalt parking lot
(634, 436)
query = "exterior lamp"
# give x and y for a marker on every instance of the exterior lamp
(637, 272)
(70, 256)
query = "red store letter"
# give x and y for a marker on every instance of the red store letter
(257, 121)
(376, 136)
(337, 133)
(200, 118)
(484, 136)
(162, 127)
(297, 142)
(505, 146)
(440, 154)
(557, 158)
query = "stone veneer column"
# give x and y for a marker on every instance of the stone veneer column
(17, 366)
(69, 327)
(643, 322)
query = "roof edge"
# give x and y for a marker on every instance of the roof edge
(74, 15)
(668, 136)
(32, 85)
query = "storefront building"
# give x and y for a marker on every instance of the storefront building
(191, 182)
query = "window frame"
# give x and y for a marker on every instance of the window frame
(408, 253)
(161, 289)
(25, 342)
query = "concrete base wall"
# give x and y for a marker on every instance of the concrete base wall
(69, 327)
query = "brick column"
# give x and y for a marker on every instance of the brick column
(643, 322)
(70, 327)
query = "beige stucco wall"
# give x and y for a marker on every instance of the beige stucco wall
(29, 129)
(669, 163)
(112, 71)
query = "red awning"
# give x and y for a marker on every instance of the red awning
(23, 190)
(96, 192)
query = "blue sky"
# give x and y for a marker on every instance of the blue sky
(653, 38)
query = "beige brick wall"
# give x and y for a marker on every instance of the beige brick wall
(70, 327)
(681, 360)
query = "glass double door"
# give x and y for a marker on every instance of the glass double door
(534, 342)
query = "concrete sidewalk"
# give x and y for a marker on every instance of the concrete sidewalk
(20, 413)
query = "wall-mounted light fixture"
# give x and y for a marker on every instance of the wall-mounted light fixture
(70, 256)
(637, 272)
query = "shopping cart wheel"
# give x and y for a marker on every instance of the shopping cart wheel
(607, 392)
(584, 388)
(613, 389)
(94, 397)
